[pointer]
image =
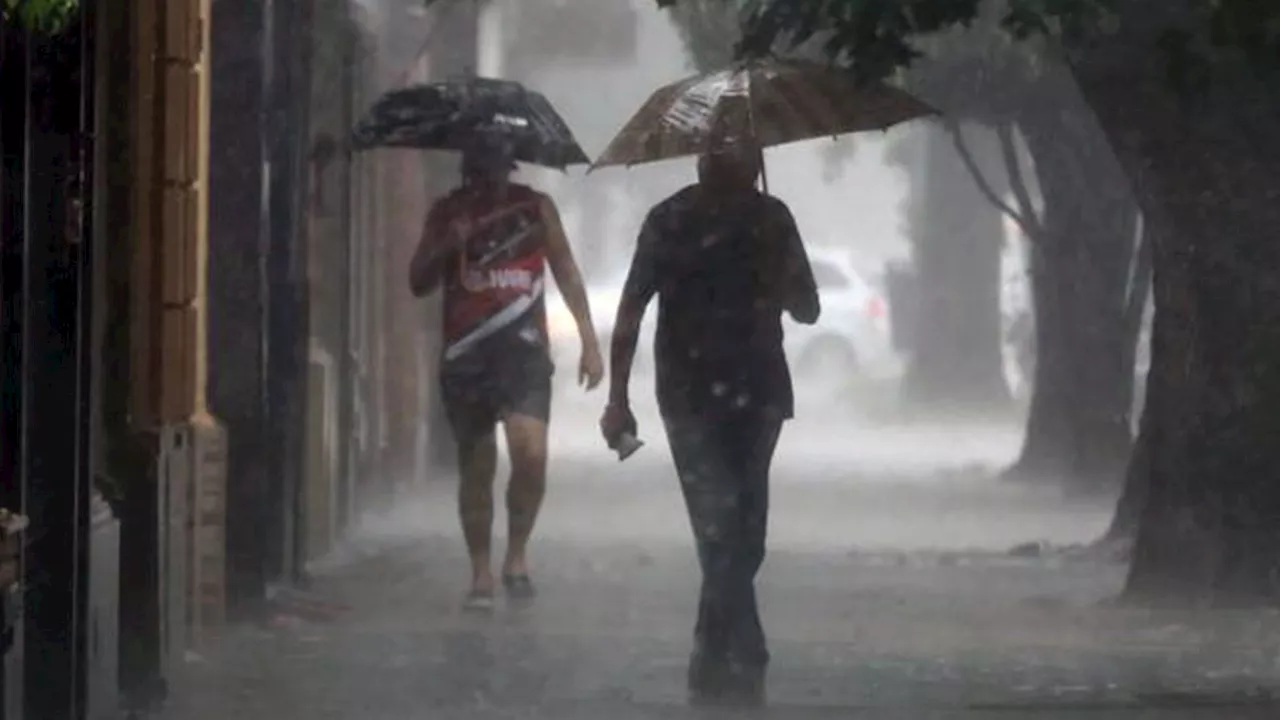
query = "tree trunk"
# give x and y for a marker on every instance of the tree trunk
(1078, 426)
(1124, 523)
(1205, 174)
(1207, 531)
(955, 366)
(1087, 285)
(1137, 483)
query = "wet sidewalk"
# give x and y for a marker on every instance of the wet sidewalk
(894, 635)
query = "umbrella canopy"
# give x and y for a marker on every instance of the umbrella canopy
(447, 115)
(770, 102)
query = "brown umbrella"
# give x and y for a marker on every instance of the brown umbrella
(769, 102)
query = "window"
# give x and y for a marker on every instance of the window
(828, 276)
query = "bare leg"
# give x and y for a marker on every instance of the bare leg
(477, 461)
(527, 443)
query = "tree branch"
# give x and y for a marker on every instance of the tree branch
(1017, 180)
(1028, 225)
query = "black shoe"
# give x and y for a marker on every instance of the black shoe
(705, 695)
(745, 686)
(519, 587)
(708, 680)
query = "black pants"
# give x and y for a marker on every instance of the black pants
(723, 463)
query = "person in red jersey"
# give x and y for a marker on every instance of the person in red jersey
(487, 244)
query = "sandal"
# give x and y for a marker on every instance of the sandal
(478, 601)
(519, 587)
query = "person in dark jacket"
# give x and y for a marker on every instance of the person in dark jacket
(725, 261)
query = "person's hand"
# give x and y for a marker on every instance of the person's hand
(459, 232)
(617, 421)
(590, 366)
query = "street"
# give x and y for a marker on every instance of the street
(891, 594)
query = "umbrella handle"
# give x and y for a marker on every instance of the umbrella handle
(755, 137)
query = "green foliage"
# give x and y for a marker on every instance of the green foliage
(710, 31)
(979, 72)
(42, 16)
(878, 37)
(1250, 25)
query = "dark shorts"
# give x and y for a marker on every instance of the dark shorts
(480, 391)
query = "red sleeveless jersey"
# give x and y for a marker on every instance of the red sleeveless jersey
(493, 287)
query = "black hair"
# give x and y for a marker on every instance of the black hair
(486, 156)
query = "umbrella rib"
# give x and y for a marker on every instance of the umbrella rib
(822, 108)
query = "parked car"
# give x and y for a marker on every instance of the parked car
(603, 297)
(850, 342)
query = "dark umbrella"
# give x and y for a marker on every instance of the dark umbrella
(446, 115)
(766, 103)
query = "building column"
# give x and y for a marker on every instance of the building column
(330, 271)
(171, 469)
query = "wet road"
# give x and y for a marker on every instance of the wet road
(891, 596)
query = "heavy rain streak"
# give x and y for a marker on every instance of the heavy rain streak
(640, 358)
